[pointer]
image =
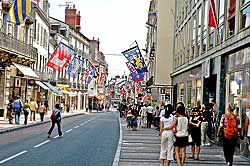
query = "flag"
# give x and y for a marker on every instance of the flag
(75, 67)
(212, 21)
(60, 57)
(135, 58)
(19, 11)
(101, 77)
(91, 75)
(85, 74)
(136, 76)
(35, 3)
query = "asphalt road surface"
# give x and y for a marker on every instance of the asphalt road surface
(88, 140)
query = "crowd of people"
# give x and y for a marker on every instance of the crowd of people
(29, 109)
(180, 127)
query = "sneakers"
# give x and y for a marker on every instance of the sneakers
(207, 144)
(49, 136)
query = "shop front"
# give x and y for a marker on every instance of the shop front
(238, 86)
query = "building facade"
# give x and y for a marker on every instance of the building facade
(212, 63)
(17, 55)
(159, 48)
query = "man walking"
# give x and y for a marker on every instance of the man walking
(17, 107)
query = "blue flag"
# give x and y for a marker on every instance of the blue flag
(75, 67)
(91, 75)
(135, 58)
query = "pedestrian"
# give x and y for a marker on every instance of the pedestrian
(10, 111)
(181, 134)
(143, 113)
(55, 119)
(230, 124)
(33, 109)
(26, 111)
(67, 108)
(42, 110)
(157, 117)
(246, 131)
(150, 110)
(195, 129)
(206, 121)
(17, 107)
(166, 135)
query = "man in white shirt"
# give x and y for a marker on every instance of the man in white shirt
(143, 113)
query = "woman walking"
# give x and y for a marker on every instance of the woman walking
(26, 111)
(166, 134)
(181, 135)
(42, 110)
(195, 128)
(55, 119)
(230, 124)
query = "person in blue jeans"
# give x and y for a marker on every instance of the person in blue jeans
(17, 107)
(26, 111)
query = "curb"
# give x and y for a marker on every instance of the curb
(38, 123)
(119, 147)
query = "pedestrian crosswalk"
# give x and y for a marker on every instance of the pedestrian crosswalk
(142, 148)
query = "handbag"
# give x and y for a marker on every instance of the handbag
(190, 139)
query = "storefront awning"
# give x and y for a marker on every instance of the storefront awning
(71, 94)
(42, 85)
(53, 89)
(27, 71)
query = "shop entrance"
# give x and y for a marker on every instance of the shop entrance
(209, 89)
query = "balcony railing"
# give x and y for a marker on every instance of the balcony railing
(16, 47)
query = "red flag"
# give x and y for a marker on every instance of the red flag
(212, 20)
(60, 57)
(36, 1)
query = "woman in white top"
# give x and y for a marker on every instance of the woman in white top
(182, 133)
(167, 143)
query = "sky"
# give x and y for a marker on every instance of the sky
(117, 24)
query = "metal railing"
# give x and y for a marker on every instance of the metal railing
(14, 46)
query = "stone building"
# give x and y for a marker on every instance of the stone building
(212, 63)
(159, 49)
(17, 55)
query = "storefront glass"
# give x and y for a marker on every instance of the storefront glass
(198, 92)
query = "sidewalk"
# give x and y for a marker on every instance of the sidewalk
(142, 148)
(6, 127)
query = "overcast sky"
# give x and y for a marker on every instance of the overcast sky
(117, 23)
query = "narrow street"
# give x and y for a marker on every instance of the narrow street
(88, 140)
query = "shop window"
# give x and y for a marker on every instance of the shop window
(245, 16)
(198, 92)
(221, 33)
(189, 92)
(181, 91)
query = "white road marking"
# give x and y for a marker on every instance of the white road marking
(36, 146)
(82, 124)
(76, 127)
(69, 130)
(56, 136)
(12, 157)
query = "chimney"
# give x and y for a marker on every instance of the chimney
(72, 17)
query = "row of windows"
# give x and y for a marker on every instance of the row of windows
(40, 35)
(195, 37)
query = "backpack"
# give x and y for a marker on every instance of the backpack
(231, 129)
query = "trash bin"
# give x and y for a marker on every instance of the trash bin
(1, 112)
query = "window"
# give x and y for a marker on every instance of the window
(42, 36)
(34, 30)
(38, 32)
(221, 20)
(15, 31)
(189, 92)
(194, 35)
(245, 14)
(231, 17)
(199, 31)
(211, 39)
